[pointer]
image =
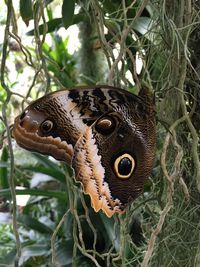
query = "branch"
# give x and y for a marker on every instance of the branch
(170, 188)
(4, 115)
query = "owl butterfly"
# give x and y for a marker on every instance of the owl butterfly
(106, 134)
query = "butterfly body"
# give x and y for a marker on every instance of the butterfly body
(106, 134)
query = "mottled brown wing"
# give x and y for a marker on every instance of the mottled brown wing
(113, 164)
(107, 133)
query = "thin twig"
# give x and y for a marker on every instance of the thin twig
(170, 190)
(53, 239)
(124, 35)
(39, 12)
(4, 115)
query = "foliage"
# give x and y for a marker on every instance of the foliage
(57, 226)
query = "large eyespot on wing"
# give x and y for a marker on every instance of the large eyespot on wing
(124, 166)
(90, 172)
(126, 154)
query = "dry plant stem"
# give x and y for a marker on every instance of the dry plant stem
(80, 243)
(53, 239)
(75, 248)
(183, 71)
(134, 74)
(87, 217)
(106, 46)
(32, 85)
(124, 244)
(29, 62)
(191, 127)
(125, 10)
(81, 246)
(2, 136)
(124, 238)
(77, 229)
(170, 189)
(194, 142)
(125, 33)
(27, 54)
(14, 21)
(99, 19)
(132, 4)
(185, 189)
(4, 115)
(39, 12)
(76, 226)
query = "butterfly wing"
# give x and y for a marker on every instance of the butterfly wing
(108, 134)
(114, 157)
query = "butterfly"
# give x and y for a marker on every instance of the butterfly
(108, 136)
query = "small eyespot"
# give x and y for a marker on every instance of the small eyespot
(23, 114)
(46, 126)
(105, 125)
(124, 166)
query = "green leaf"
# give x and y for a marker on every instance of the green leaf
(52, 25)
(34, 224)
(4, 169)
(110, 6)
(64, 253)
(56, 24)
(33, 251)
(9, 258)
(68, 7)
(46, 162)
(35, 192)
(142, 25)
(26, 10)
(4, 164)
(113, 236)
(58, 175)
(112, 26)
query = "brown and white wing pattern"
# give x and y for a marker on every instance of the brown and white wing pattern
(105, 133)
